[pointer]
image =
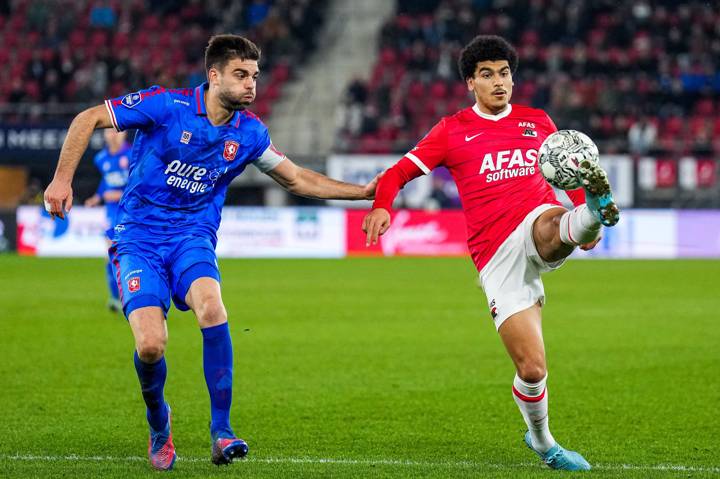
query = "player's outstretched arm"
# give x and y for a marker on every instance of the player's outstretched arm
(377, 222)
(58, 195)
(303, 182)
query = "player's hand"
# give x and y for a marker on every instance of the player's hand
(375, 224)
(58, 198)
(369, 189)
(94, 200)
(591, 245)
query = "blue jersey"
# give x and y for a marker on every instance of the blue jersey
(114, 169)
(181, 164)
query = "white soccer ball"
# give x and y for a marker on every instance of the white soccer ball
(560, 156)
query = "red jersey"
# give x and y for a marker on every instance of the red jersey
(494, 162)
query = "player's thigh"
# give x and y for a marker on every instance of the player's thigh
(141, 277)
(546, 236)
(195, 281)
(511, 279)
(522, 336)
(205, 299)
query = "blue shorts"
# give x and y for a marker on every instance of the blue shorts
(155, 268)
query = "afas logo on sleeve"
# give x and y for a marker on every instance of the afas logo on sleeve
(132, 99)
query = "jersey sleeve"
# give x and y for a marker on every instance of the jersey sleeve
(430, 152)
(267, 156)
(142, 110)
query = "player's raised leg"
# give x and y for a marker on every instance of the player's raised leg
(522, 335)
(205, 300)
(150, 331)
(557, 231)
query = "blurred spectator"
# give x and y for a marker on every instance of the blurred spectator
(595, 66)
(84, 52)
(257, 11)
(102, 15)
(641, 136)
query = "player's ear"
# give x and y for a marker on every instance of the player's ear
(469, 82)
(213, 75)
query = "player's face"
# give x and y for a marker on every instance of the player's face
(492, 85)
(235, 83)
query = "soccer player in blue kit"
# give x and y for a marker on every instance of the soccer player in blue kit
(113, 162)
(190, 144)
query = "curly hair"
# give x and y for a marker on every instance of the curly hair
(486, 48)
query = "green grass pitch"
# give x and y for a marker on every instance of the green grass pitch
(368, 367)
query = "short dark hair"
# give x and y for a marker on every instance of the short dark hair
(486, 48)
(223, 48)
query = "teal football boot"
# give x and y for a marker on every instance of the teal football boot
(598, 195)
(560, 458)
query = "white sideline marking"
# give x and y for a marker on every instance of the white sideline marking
(364, 462)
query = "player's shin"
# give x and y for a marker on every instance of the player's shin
(579, 226)
(532, 400)
(218, 368)
(152, 382)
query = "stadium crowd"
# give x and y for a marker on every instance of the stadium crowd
(80, 52)
(637, 75)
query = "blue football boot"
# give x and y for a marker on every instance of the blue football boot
(598, 195)
(559, 458)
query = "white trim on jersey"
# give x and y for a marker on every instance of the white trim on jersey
(418, 162)
(111, 112)
(269, 159)
(497, 117)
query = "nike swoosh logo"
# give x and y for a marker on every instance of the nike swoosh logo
(468, 138)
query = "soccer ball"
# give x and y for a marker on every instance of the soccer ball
(560, 156)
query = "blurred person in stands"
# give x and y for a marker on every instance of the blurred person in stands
(113, 163)
(641, 136)
(191, 143)
(517, 228)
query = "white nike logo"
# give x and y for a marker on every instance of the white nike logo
(468, 138)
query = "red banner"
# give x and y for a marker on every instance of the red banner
(412, 233)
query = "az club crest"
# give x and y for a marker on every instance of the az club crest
(231, 149)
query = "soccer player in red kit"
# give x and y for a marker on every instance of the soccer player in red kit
(517, 229)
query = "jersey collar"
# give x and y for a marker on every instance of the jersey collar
(497, 117)
(200, 99)
(200, 109)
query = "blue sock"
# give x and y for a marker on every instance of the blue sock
(152, 382)
(111, 281)
(218, 367)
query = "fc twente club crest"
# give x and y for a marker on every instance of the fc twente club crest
(231, 149)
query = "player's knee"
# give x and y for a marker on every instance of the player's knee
(532, 370)
(211, 312)
(150, 350)
(546, 235)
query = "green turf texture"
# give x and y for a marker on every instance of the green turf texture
(386, 367)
